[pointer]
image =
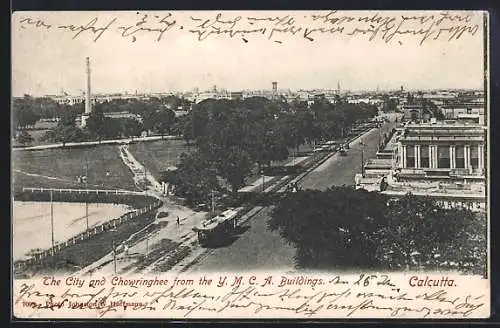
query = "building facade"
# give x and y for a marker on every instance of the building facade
(441, 152)
(469, 112)
(414, 112)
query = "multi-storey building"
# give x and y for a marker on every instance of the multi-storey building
(441, 151)
(442, 160)
(471, 111)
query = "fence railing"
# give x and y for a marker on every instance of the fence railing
(87, 234)
(86, 191)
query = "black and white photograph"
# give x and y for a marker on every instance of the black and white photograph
(176, 143)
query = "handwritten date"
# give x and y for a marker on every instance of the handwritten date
(338, 296)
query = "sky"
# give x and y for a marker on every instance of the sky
(49, 59)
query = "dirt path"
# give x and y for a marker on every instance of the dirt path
(143, 179)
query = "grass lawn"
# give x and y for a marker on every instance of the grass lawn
(59, 168)
(36, 134)
(159, 155)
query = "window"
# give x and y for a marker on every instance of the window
(424, 156)
(410, 156)
(459, 157)
(443, 156)
(474, 157)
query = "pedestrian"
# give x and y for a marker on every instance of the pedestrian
(178, 221)
(383, 184)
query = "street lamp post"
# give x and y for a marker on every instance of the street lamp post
(362, 158)
(263, 187)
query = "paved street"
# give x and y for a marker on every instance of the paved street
(256, 249)
(260, 249)
(340, 170)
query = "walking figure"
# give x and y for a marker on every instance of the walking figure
(178, 221)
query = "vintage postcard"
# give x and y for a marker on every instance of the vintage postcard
(250, 164)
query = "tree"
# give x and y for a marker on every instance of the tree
(112, 128)
(163, 121)
(24, 112)
(24, 137)
(195, 178)
(389, 104)
(331, 233)
(66, 130)
(234, 165)
(348, 228)
(187, 129)
(419, 232)
(131, 127)
(96, 124)
(68, 133)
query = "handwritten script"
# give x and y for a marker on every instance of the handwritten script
(372, 26)
(364, 295)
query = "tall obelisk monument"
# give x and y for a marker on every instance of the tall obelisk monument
(88, 98)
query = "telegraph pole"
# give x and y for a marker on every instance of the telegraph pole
(114, 255)
(52, 218)
(86, 187)
(362, 158)
(213, 201)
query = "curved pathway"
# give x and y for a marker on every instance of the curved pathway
(142, 177)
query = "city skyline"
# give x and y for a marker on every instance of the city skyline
(46, 62)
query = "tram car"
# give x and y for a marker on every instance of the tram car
(215, 230)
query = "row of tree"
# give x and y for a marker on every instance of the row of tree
(29, 110)
(233, 135)
(348, 228)
(100, 127)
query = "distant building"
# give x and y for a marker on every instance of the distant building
(472, 112)
(123, 115)
(413, 112)
(214, 94)
(237, 95)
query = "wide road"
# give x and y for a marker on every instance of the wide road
(261, 249)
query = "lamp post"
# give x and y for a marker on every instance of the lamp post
(113, 245)
(362, 158)
(262, 173)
